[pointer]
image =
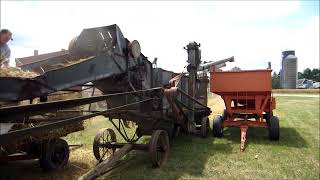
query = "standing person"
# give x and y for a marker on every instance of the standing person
(5, 52)
(5, 37)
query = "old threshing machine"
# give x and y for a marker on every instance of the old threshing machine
(161, 103)
(248, 100)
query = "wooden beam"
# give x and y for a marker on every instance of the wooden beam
(107, 164)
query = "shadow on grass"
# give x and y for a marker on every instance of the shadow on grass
(289, 137)
(30, 169)
(188, 155)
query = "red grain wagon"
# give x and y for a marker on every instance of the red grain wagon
(248, 100)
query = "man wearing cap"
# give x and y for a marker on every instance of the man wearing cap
(5, 52)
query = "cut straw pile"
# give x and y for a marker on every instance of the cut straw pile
(70, 61)
(64, 114)
(59, 132)
(67, 113)
(61, 95)
(16, 72)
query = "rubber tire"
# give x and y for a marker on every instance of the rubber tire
(45, 160)
(267, 116)
(274, 128)
(95, 147)
(205, 127)
(153, 144)
(224, 115)
(217, 128)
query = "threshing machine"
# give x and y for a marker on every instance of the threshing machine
(161, 103)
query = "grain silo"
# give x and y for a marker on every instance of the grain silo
(289, 70)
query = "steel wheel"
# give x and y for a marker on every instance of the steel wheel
(159, 147)
(205, 127)
(104, 136)
(169, 128)
(55, 155)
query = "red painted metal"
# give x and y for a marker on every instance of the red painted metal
(243, 136)
(247, 97)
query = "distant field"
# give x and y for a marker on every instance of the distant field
(295, 156)
(297, 91)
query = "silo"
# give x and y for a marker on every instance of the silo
(289, 70)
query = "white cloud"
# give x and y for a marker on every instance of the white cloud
(163, 28)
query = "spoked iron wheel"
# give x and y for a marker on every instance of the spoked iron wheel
(159, 147)
(101, 140)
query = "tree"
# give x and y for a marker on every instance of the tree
(315, 74)
(307, 73)
(300, 75)
(235, 69)
(276, 80)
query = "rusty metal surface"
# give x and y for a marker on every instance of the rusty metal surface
(35, 109)
(133, 89)
(110, 64)
(23, 133)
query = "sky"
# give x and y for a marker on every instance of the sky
(254, 32)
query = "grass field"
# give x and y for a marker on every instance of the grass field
(297, 91)
(295, 156)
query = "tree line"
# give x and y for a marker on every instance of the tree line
(307, 73)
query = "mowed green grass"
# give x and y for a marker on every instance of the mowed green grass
(294, 156)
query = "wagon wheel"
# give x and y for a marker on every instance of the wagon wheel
(104, 136)
(170, 128)
(217, 128)
(55, 155)
(205, 127)
(224, 115)
(274, 128)
(159, 147)
(267, 116)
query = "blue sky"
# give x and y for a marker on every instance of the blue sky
(255, 32)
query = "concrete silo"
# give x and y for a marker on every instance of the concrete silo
(289, 70)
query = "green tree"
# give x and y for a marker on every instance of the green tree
(307, 73)
(315, 74)
(235, 69)
(276, 80)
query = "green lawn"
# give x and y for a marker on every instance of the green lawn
(295, 156)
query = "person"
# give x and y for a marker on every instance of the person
(5, 37)
(5, 52)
